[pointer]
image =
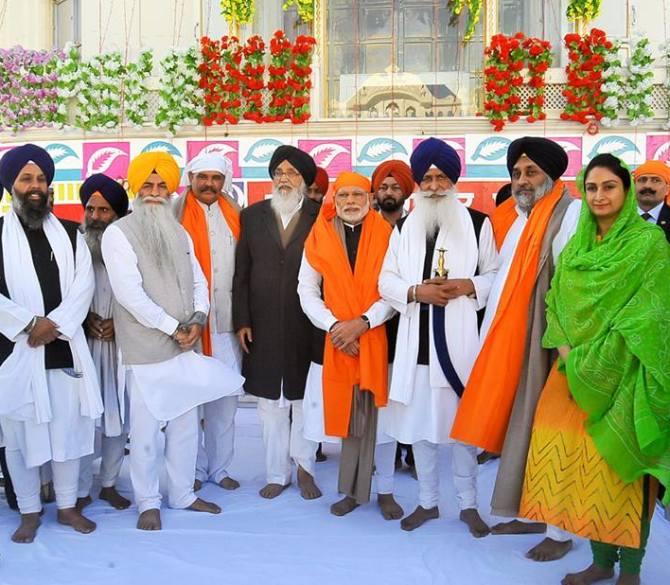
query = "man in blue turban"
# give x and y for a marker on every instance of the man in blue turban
(435, 158)
(47, 410)
(104, 201)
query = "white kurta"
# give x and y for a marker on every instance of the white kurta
(508, 249)
(422, 404)
(163, 385)
(313, 305)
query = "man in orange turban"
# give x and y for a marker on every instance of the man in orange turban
(652, 184)
(338, 291)
(148, 163)
(318, 189)
(392, 184)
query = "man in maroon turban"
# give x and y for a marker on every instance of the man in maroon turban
(392, 184)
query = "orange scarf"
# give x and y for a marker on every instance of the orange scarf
(194, 222)
(484, 411)
(502, 219)
(348, 295)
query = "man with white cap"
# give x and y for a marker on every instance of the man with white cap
(211, 217)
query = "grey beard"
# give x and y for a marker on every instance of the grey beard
(32, 217)
(93, 239)
(432, 211)
(286, 203)
(163, 236)
(526, 201)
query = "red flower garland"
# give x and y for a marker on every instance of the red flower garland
(280, 51)
(584, 94)
(253, 84)
(220, 79)
(539, 57)
(300, 78)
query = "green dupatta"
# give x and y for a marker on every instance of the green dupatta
(610, 302)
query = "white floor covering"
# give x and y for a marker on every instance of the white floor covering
(291, 541)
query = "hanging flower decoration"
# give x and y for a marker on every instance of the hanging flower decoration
(583, 9)
(640, 80)
(584, 95)
(474, 13)
(305, 8)
(99, 92)
(502, 79)
(613, 87)
(221, 80)
(135, 95)
(28, 88)
(68, 84)
(539, 57)
(180, 100)
(280, 59)
(299, 78)
(253, 84)
(238, 11)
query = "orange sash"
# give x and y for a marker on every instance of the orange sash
(194, 222)
(348, 295)
(484, 411)
(502, 219)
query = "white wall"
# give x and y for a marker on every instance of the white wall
(26, 23)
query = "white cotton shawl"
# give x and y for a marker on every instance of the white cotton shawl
(24, 393)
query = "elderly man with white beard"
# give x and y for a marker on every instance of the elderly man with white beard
(274, 333)
(104, 201)
(437, 274)
(161, 302)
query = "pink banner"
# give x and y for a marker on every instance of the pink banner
(108, 158)
(332, 155)
(228, 148)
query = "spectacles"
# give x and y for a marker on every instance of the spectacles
(290, 174)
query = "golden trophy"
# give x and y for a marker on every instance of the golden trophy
(441, 271)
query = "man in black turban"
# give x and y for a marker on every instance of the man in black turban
(104, 202)
(274, 333)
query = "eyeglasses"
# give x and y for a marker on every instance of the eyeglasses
(278, 174)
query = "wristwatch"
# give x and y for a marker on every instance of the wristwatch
(367, 321)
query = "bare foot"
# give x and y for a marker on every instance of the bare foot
(628, 579)
(83, 502)
(150, 520)
(591, 575)
(550, 550)
(197, 485)
(109, 494)
(228, 483)
(308, 488)
(27, 530)
(391, 510)
(47, 493)
(518, 527)
(419, 517)
(73, 517)
(344, 506)
(203, 506)
(272, 490)
(476, 525)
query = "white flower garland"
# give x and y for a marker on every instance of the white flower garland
(613, 87)
(136, 100)
(639, 83)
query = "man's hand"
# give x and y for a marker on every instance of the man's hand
(187, 336)
(44, 332)
(93, 325)
(344, 333)
(107, 333)
(439, 291)
(352, 349)
(245, 338)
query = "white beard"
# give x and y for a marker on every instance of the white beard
(285, 203)
(432, 212)
(526, 201)
(163, 236)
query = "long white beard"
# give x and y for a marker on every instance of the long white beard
(526, 201)
(284, 203)
(433, 212)
(163, 237)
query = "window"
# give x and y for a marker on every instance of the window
(294, 26)
(400, 58)
(66, 22)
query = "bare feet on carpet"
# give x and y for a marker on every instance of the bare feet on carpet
(550, 550)
(83, 502)
(228, 483)
(150, 520)
(391, 510)
(419, 517)
(518, 527)
(47, 493)
(272, 490)
(478, 528)
(308, 488)
(27, 530)
(344, 506)
(626, 579)
(591, 575)
(197, 485)
(203, 506)
(114, 498)
(73, 517)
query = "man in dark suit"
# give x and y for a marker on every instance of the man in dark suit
(273, 331)
(652, 184)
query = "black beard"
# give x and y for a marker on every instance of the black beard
(390, 205)
(31, 213)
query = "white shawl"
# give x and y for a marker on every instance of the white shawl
(403, 267)
(23, 384)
